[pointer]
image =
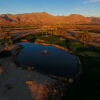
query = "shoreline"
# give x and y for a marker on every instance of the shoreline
(17, 76)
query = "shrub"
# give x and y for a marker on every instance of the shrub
(5, 53)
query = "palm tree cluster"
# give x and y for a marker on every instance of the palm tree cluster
(84, 36)
(56, 30)
(6, 37)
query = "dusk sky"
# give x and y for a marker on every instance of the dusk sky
(55, 7)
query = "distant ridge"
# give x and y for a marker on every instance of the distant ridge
(29, 19)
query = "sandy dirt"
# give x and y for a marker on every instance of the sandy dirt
(94, 35)
(18, 84)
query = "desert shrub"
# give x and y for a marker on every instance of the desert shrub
(73, 45)
(5, 53)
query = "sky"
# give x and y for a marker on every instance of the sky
(55, 7)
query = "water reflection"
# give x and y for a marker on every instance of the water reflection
(53, 61)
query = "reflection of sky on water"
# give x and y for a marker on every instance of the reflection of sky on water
(56, 61)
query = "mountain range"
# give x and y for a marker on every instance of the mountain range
(29, 19)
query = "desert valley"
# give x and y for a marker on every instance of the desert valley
(49, 57)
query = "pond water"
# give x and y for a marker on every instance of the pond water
(48, 59)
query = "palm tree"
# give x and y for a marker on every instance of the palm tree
(46, 32)
(42, 32)
(8, 39)
(84, 36)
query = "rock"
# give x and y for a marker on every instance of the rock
(39, 91)
(23, 40)
(70, 80)
(29, 82)
(44, 52)
(5, 53)
(8, 86)
(29, 68)
(1, 70)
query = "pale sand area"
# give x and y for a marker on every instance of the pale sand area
(18, 84)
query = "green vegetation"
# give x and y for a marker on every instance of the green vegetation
(6, 38)
(46, 38)
(87, 88)
(84, 36)
(94, 31)
(72, 45)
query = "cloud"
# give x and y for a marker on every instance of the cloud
(91, 1)
(88, 11)
(94, 0)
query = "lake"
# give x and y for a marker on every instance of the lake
(48, 59)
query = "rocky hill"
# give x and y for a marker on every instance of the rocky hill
(29, 19)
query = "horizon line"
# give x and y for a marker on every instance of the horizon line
(50, 14)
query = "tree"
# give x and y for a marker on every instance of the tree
(42, 32)
(84, 36)
(2, 32)
(7, 39)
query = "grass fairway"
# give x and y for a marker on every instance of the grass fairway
(49, 39)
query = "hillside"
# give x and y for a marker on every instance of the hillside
(29, 19)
